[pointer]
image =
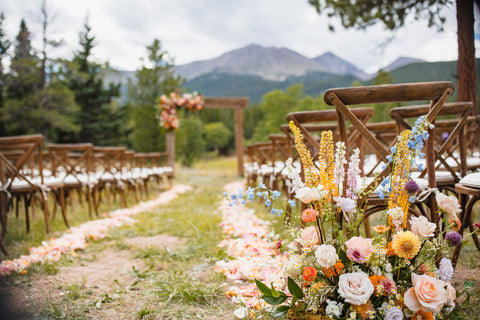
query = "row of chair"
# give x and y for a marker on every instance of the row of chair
(451, 152)
(30, 171)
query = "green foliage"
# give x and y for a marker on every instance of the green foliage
(4, 46)
(217, 135)
(101, 123)
(276, 105)
(154, 78)
(190, 142)
(392, 14)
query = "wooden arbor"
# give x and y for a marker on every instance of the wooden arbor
(236, 103)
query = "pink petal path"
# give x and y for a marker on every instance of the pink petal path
(76, 237)
(252, 248)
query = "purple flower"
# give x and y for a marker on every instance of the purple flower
(445, 270)
(453, 238)
(393, 314)
(411, 187)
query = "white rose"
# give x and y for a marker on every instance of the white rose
(422, 227)
(307, 195)
(293, 266)
(326, 255)
(355, 287)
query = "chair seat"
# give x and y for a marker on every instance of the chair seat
(471, 180)
(21, 186)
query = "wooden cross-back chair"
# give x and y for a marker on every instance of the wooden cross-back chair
(75, 165)
(282, 151)
(21, 177)
(260, 157)
(327, 120)
(449, 153)
(386, 133)
(109, 164)
(435, 92)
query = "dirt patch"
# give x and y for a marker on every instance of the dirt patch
(160, 241)
(110, 275)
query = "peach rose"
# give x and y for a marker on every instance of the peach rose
(448, 204)
(309, 236)
(428, 294)
(309, 215)
(359, 248)
(422, 227)
(307, 195)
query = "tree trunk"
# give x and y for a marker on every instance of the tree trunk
(466, 83)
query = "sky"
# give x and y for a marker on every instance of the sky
(192, 30)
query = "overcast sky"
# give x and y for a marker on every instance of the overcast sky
(192, 30)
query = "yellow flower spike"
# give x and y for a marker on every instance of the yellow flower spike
(401, 168)
(305, 156)
(326, 160)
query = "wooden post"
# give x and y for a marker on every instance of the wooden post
(171, 148)
(238, 104)
(239, 140)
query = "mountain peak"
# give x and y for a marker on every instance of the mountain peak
(334, 64)
(400, 62)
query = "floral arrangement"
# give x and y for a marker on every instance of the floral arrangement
(169, 105)
(332, 271)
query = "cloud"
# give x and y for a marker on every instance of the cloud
(192, 30)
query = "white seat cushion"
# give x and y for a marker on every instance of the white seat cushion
(471, 180)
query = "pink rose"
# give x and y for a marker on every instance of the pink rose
(309, 236)
(428, 294)
(355, 287)
(448, 204)
(422, 227)
(359, 248)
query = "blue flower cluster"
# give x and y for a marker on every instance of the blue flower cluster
(416, 142)
(270, 198)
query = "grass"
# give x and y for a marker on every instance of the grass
(168, 282)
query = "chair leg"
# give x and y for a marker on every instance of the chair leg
(3, 247)
(63, 206)
(467, 207)
(27, 216)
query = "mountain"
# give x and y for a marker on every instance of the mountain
(334, 64)
(400, 62)
(270, 63)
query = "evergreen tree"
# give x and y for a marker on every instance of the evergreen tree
(154, 78)
(21, 86)
(101, 122)
(4, 46)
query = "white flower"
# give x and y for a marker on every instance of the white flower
(396, 214)
(326, 255)
(333, 309)
(347, 205)
(449, 204)
(355, 287)
(422, 227)
(241, 313)
(293, 266)
(307, 195)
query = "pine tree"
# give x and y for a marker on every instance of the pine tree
(4, 46)
(101, 122)
(154, 78)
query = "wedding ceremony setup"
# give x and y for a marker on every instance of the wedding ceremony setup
(314, 160)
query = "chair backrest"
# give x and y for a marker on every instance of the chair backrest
(109, 159)
(435, 92)
(71, 159)
(282, 147)
(454, 128)
(21, 158)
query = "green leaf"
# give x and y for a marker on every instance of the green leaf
(294, 289)
(467, 285)
(263, 288)
(281, 311)
(275, 301)
(274, 291)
